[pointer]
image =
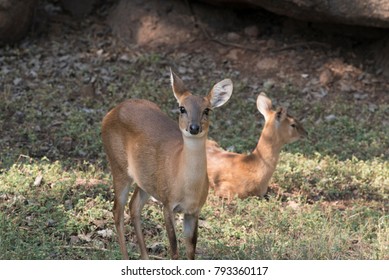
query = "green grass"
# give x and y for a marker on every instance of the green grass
(328, 198)
(63, 216)
(273, 230)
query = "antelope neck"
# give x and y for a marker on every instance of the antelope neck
(194, 155)
(268, 148)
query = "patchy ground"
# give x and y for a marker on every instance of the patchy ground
(58, 83)
(81, 63)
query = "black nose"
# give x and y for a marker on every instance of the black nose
(194, 129)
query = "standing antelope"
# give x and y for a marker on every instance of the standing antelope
(165, 160)
(232, 174)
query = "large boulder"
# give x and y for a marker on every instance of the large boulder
(158, 23)
(15, 19)
(373, 13)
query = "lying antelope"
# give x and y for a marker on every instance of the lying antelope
(165, 160)
(232, 174)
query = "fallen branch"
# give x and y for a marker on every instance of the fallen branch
(302, 44)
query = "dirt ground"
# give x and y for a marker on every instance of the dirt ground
(317, 58)
(83, 59)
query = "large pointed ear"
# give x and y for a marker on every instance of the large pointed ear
(220, 93)
(264, 105)
(177, 85)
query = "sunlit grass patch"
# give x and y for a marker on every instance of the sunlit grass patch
(275, 230)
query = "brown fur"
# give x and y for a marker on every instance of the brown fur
(231, 174)
(165, 160)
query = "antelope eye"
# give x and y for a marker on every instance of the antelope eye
(293, 125)
(206, 111)
(182, 110)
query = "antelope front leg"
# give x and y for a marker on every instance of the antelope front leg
(190, 233)
(137, 202)
(171, 233)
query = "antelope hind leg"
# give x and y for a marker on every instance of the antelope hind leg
(138, 200)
